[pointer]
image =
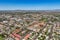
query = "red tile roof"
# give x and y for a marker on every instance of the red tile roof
(15, 36)
(27, 36)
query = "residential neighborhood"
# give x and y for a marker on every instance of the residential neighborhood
(29, 27)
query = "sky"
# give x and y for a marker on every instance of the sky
(29, 4)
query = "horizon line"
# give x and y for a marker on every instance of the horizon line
(28, 9)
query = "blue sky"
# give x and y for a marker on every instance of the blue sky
(29, 4)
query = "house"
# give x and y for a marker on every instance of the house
(27, 36)
(15, 36)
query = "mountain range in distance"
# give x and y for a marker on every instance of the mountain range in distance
(56, 11)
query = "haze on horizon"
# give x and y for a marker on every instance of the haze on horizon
(29, 4)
